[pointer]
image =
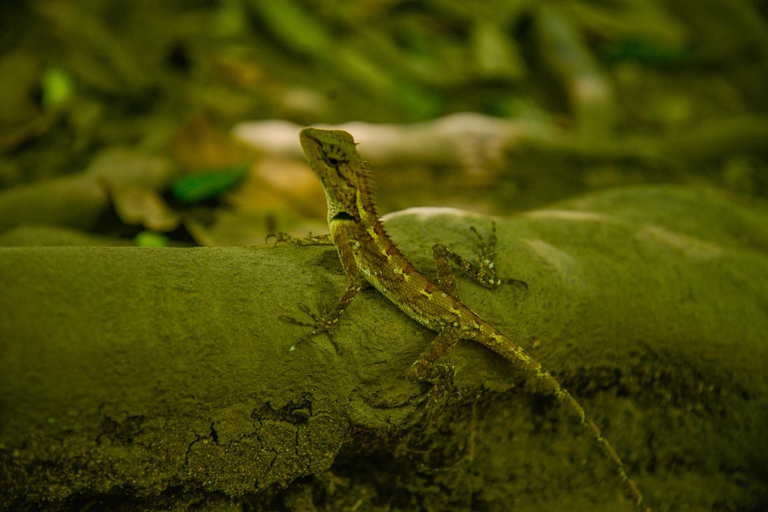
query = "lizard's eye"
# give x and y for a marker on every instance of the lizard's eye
(334, 156)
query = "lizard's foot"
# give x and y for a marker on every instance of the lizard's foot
(321, 325)
(432, 373)
(485, 261)
(279, 237)
(440, 376)
(308, 240)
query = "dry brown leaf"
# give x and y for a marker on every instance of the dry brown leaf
(280, 184)
(143, 206)
(201, 143)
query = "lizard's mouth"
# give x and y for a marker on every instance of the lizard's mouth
(343, 216)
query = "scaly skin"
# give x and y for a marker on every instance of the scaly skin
(367, 253)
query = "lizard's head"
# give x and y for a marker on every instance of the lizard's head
(340, 169)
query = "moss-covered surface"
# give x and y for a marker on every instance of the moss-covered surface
(162, 378)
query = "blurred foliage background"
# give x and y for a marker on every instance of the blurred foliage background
(147, 122)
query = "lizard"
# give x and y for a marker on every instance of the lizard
(368, 254)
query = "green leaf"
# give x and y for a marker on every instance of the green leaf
(150, 239)
(208, 184)
(644, 51)
(57, 87)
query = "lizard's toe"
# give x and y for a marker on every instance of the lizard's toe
(432, 373)
(291, 320)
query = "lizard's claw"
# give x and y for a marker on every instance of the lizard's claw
(440, 376)
(479, 236)
(509, 280)
(317, 318)
(279, 237)
(486, 250)
(291, 320)
(319, 326)
(433, 373)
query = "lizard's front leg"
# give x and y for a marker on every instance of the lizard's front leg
(325, 323)
(309, 240)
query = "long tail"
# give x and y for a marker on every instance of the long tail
(543, 382)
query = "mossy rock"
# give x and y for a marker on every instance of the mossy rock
(163, 378)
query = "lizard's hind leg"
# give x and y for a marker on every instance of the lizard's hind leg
(482, 269)
(424, 367)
